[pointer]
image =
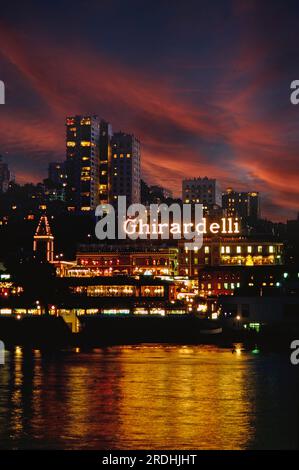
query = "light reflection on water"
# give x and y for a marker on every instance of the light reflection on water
(148, 397)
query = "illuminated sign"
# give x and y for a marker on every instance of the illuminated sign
(226, 226)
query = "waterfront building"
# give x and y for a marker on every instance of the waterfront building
(229, 251)
(226, 280)
(98, 260)
(256, 311)
(204, 191)
(241, 204)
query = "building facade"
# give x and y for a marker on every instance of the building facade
(105, 162)
(82, 162)
(204, 191)
(229, 251)
(125, 167)
(4, 176)
(98, 260)
(241, 204)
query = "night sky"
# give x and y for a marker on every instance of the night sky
(205, 85)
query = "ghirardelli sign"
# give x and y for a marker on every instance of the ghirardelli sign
(2, 92)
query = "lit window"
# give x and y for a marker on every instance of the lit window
(239, 250)
(207, 249)
(227, 249)
(271, 249)
(222, 249)
(260, 249)
(85, 121)
(128, 155)
(249, 249)
(85, 143)
(70, 144)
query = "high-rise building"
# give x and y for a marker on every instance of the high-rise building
(241, 204)
(57, 173)
(105, 162)
(204, 191)
(4, 176)
(125, 167)
(82, 162)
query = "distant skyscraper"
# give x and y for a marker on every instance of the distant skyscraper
(204, 191)
(105, 162)
(4, 176)
(241, 204)
(125, 167)
(82, 162)
(57, 173)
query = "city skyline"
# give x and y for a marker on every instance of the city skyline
(194, 112)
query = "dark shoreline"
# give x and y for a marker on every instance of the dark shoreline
(52, 332)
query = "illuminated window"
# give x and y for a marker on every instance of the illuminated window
(239, 249)
(85, 122)
(222, 249)
(70, 144)
(219, 285)
(207, 249)
(85, 143)
(115, 155)
(209, 286)
(271, 249)
(85, 208)
(260, 249)
(121, 155)
(227, 249)
(249, 249)
(225, 285)
(128, 155)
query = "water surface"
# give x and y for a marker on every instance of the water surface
(149, 397)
